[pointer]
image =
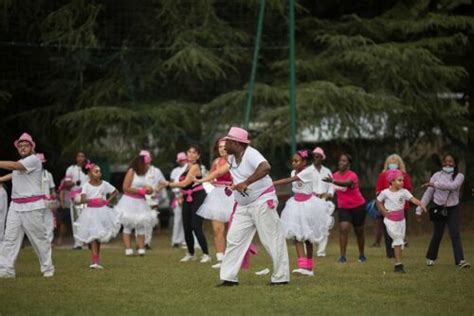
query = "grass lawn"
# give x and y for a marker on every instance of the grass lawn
(159, 284)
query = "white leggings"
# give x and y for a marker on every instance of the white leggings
(139, 230)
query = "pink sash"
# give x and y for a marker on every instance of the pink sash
(28, 199)
(221, 183)
(74, 193)
(301, 197)
(189, 193)
(97, 202)
(134, 196)
(396, 216)
(252, 248)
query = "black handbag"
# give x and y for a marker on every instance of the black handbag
(439, 213)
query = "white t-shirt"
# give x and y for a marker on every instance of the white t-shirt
(250, 161)
(154, 176)
(47, 182)
(27, 184)
(76, 174)
(175, 174)
(319, 186)
(394, 201)
(101, 191)
(305, 184)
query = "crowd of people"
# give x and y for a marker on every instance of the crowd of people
(238, 196)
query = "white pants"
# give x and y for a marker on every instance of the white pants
(178, 229)
(49, 224)
(75, 213)
(32, 224)
(3, 211)
(322, 246)
(247, 219)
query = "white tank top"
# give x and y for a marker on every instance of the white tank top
(138, 181)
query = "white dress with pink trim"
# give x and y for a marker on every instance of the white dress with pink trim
(305, 216)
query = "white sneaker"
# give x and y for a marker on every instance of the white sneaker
(188, 257)
(205, 258)
(183, 246)
(217, 265)
(263, 272)
(129, 252)
(48, 274)
(430, 262)
(321, 255)
(304, 272)
(141, 252)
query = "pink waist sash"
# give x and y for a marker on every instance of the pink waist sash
(189, 193)
(97, 202)
(28, 199)
(302, 197)
(134, 196)
(74, 193)
(396, 216)
(221, 183)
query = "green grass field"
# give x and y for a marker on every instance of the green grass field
(160, 284)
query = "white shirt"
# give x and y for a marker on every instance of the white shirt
(175, 174)
(101, 191)
(319, 186)
(251, 159)
(305, 183)
(27, 184)
(76, 174)
(394, 201)
(47, 182)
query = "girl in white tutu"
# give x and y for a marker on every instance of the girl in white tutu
(300, 219)
(133, 208)
(97, 223)
(218, 205)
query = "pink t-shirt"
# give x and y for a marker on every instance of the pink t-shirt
(348, 197)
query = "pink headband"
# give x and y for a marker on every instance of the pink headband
(393, 174)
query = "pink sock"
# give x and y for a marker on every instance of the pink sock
(95, 259)
(309, 264)
(302, 263)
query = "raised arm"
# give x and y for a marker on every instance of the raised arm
(220, 171)
(12, 165)
(5, 178)
(450, 186)
(285, 180)
(192, 174)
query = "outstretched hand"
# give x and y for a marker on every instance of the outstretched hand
(427, 184)
(328, 179)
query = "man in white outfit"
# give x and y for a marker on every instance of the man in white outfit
(256, 201)
(74, 180)
(153, 178)
(26, 211)
(323, 190)
(177, 237)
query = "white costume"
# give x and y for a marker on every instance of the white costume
(153, 177)
(47, 184)
(26, 215)
(134, 210)
(78, 178)
(177, 237)
(3, 210)
(393, 202)
(320, 187)
(299, 218)
(255, 212)
(97, 222)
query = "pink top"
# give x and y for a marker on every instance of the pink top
(227, 177)
(348, 197)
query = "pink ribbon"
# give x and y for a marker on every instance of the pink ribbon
(74, 193)
(96, 202)
(28, 199)
(174, 203)
(189, 193)
(396, 216)
(301, 197)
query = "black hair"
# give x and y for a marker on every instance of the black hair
(456, 171)
(198, 150)
(138, 165)
(349, 157)
(306, 155)
(216, 147)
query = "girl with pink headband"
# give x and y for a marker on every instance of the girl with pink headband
(391, 203)
(135, 213)
(299, 220)
(98, 223)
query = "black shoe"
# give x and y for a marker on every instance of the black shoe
(147, 247)
(399, 268)
(227, 283)
(278, 283)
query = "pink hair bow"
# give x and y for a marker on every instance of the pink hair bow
(303, 153)
(89, 165)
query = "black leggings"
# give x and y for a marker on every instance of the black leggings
(193, 222)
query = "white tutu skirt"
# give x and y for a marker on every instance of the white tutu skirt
(136, 213)
(217, 206)
(310, 220)
(396, 230)
(97, 223)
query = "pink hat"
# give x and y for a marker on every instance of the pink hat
(146, 154)
(319, 151)
(25, 137)
(41, 157)
(393, 174)
(181, 156)
(238, 134)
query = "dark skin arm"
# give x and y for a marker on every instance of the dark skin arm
(347, 184)
(262, 170)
